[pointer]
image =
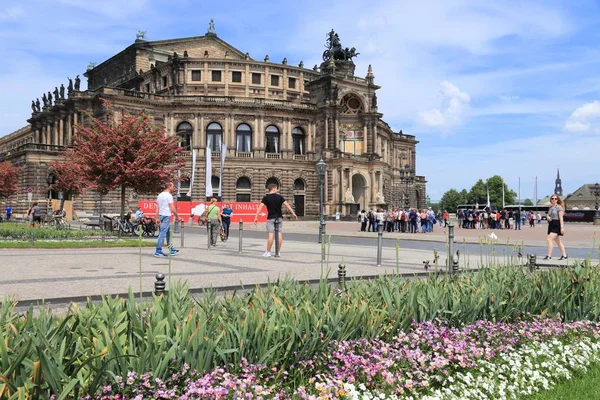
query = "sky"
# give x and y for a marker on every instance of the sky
(508, 88)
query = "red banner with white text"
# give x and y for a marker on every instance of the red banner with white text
(241, 210)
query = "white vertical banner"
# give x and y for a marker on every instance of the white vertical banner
(189, 193)
(488, 194)
(223, 154)
(178, 183)
(209, 189)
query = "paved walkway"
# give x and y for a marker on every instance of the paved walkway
(31, 274)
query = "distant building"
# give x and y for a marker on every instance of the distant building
(277, 121)
(582, 199)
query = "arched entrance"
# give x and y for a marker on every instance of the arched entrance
(358, 190)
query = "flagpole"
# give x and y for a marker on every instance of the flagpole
(503, 205)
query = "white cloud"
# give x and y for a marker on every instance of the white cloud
(585, 119)
(455, 107)
(11, 13)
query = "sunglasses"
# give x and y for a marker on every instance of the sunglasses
(553, 198)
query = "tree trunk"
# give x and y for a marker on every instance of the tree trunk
(122, 202)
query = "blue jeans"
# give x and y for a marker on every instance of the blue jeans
(165, 225)
(517, 224)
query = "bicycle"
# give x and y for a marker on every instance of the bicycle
(122, 226)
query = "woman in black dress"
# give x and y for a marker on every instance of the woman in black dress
(556, 226)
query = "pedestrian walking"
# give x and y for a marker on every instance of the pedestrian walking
(226, 214)
(8, 213)
(273, 201)
(164, 209)
(556, 226)
(214, 221)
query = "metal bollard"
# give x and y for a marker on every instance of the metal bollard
(449, 261)
(342, 276)
(454, 265)
(31, 239)
(241, 235)
(379, 243)
(208, 235)
(324, 228)
(532, 260)
(182, 234)
(276, 233)
(159, 285)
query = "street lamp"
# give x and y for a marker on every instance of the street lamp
(596, 193)
(321, 167)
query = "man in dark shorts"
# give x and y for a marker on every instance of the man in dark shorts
(273, 201)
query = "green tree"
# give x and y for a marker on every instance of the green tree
(495, 184)
(479, 191)
(527, 202)
(450, 200)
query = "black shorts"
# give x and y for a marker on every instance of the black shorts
(37, 219)
(554, 227)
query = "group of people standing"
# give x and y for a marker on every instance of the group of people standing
(219, 220)
(500, 219)
(402, 220)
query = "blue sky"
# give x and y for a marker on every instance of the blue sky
(505, 87)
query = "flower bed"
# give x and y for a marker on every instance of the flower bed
(431, 361)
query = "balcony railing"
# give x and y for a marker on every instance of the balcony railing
(273, 156)
(300, 157)
(243, 154)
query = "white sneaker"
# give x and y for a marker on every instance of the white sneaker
(266, 254)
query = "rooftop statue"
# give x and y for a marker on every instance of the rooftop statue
(335, 49)
(140, 35)
(211, 27)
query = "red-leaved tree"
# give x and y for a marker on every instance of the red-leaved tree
(68, 176)
(9, 176)
(131, 153)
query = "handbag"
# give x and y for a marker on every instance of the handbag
(222, 234)
(204, 216)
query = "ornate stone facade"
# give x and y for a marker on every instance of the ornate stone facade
(277, 121)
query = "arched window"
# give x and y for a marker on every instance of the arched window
(214, 137)
(243, 192)
(272, 142)
(243, 183)
(243, 141)
(298, 141)
(272, 180)
(184, 135)
(299, 184)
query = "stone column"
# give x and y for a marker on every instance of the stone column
(365, 140)
(261, 133)
(341, 184)
(337, 135)
(61, 129)
(54, 133)
(196, 137)
(309, 146)
(69, 130)
(202, 141)
(350, 179)
(372, 187)
(255, 134)
(326, 139)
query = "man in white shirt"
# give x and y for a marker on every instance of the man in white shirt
(164, 209)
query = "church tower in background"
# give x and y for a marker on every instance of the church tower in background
(557, 186)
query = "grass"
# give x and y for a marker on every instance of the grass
(582, 387)
(68, 244)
